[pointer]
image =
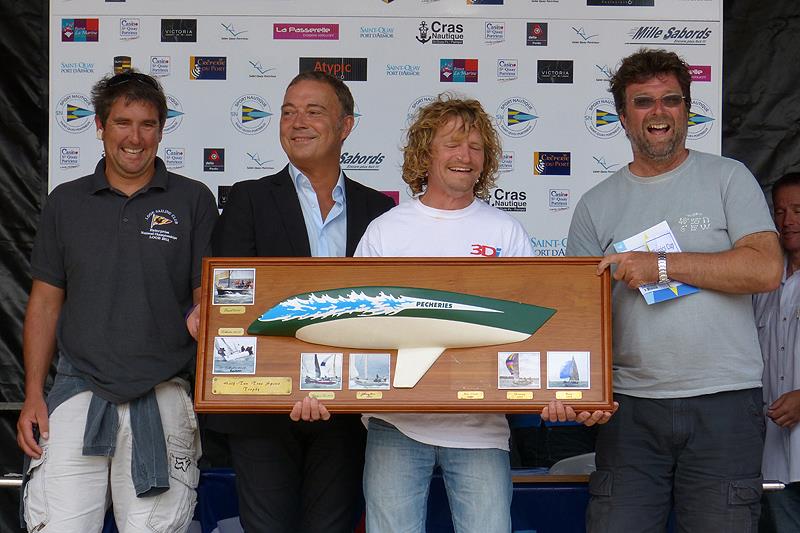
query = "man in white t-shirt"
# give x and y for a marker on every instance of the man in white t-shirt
(450, 164)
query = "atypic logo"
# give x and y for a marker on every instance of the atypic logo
(208, 67)
(250, 114)
(69, 157)
(494, 32)
(601, 119)
(511, 201)
(213, 159)
(506, 162)
(549, 247)
(700, 72)
(316, 32)
(376, 32)
(415, 106)
(440, 32)
(174, 158)
(622, 3)
(344, 68)
(554, 71)
(122, 64)
(674, 35)
(259, 71)
(602, 166)
(701, 120)
(128, 28)
(256, 162)
(403, 70)
(160, 66)
(174, 114)
(536, 34)
(74, 113)
(558, 199)
(458, 70)
(178, 30)
(584, 36)
(80, 30)
(230, 32)
(552, 163)
(516, 117)
(359, 161)
(507, 69)
(76, 67)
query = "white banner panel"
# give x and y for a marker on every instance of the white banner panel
(540, 67)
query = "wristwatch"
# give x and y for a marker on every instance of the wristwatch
(662, 267)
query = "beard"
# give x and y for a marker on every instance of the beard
(659, 151)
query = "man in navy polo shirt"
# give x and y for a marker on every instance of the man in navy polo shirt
(116, 265)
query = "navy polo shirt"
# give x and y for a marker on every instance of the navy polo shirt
(128, 266)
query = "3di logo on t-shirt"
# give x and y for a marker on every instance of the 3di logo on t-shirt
(213, 159)
(485, 250)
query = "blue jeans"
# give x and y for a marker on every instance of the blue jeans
(397, 476)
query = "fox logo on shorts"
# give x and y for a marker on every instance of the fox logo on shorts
(182, 463)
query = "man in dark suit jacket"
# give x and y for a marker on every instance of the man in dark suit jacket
(300, 473)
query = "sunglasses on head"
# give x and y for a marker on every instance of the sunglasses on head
(127, 77)
(648, 102)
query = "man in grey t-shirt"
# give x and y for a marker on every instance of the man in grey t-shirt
(687, 372)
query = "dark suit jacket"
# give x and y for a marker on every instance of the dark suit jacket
(263, 218)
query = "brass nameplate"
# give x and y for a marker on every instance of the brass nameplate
(569, 395)
(232, 310)
(270, 386)
(519, 395)
(230, 332)
(322, 395)
(369, 395)
(470, 395)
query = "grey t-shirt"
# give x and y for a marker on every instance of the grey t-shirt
(697, 344)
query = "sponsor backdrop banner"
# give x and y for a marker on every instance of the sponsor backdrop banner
(539, 67)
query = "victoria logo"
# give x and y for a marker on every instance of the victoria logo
(178, 30)
(516, 117)
(554, 71)
(250, 114)
(601, 119)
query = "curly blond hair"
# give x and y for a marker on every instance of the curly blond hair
(417, 151)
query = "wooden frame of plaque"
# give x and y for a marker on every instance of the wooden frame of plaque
(567, 358)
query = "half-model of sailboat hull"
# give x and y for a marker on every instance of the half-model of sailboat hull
(419, 323)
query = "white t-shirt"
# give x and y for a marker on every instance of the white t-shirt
(413, 229)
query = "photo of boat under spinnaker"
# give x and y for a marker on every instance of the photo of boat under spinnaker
(419, 323)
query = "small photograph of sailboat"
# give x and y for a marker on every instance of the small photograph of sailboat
(321, 371)
(234, 286)
(369, 371)
(234, 355)
(567, 370)
(519, 370)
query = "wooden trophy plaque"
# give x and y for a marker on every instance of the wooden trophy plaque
(404, 334)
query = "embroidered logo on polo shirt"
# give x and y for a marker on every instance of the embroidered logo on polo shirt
(158, 221)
